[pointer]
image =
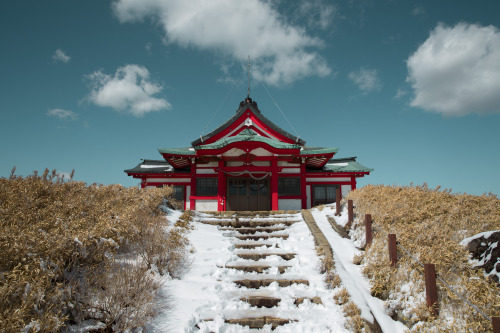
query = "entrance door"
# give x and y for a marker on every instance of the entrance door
(247, 194)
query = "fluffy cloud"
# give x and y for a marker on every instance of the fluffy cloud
(456, 71)
(59, 55)
(62, 114)
(281, 53)
(366, 79)
(129, 90)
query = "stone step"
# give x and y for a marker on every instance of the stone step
(253, 246)
(257, 256)
(314, 300)
(255, 284)
(261, 301)
(259, 322)
(248, 224)
(251, 231)
(256, 269)
(257, 237)
(270, 302)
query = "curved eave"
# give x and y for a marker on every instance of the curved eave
(318, 151)
(222, 143)
(179, 152)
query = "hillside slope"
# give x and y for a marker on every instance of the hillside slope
(430, 224)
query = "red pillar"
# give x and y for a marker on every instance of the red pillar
(353, 183)
(221, 188)
(303, 190)
(192, 202)
(274, 184)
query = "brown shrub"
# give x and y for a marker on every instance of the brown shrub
(53, 235)
(430, 224)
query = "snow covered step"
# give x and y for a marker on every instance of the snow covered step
(262, 301)
(270, 302)
(257, 283)
(249, 223)
(261, 236)
(257, 268)
(251, 231)
(259, 322)
(254, 245)
(257, 256)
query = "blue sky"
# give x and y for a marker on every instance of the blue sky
(410, 87)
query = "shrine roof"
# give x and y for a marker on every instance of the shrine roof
(244, 105)
(248, 136)
(152, 166)
(348, 164)
(177, 151)
(317, 150)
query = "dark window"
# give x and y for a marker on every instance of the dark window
(206, 187)
(289, 186)
(179, 193)
(324, 194)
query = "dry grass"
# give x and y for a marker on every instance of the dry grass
(58, 241)
(430, 224)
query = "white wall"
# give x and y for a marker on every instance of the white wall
(206, 205)
(308, 194)
(329, 180)
(289, 204)
(188, 194)
(290, 170)
(345, 190)
(168, 180)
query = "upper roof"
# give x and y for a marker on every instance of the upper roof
(152, 167)
(247, 135)
(348, 164)
(248, 104)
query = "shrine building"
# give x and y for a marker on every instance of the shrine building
(250, 164)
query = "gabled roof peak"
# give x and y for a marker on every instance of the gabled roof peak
(247, 102)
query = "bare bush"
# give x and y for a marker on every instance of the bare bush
(124, 297)
(430, 224)
(164, 249)
(56, 236)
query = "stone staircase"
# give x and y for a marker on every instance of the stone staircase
(264, 269)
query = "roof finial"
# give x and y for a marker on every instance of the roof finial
(248, 74)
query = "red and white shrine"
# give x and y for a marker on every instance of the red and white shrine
(250, 164)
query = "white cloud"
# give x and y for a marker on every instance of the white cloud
(129, 90)
(59, 55)
(400, 93)
(418, 10)
(318, 13)
(366, 79)
(280, 53)
(62, 114)
(456, 71)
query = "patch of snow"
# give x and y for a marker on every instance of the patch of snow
(356, 284)
(485, 234)
(337, 164)
(150, 166)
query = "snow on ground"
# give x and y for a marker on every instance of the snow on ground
(356, 284)
(208, 291)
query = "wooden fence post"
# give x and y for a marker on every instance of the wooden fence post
(496, 324)
(337, 202)
(350, 214)
(431, 289)
(368, 229)
(393, 250)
